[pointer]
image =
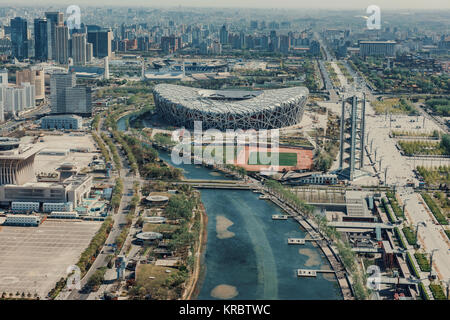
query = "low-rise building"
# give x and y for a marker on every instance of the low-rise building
(57, 206)
(22, 220)
(17, 206)
(64, 215)
(67, 122)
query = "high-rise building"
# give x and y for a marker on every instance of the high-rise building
(101, 43)
(42, 39)
(223, 35)
(79, 49)
(62, 44)
(170, 44)
(55, 19)
(89, 51)
(17, 98)
(19, 38)
(67, 97)
(35, 78)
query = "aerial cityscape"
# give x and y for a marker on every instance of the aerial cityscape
(239, 152)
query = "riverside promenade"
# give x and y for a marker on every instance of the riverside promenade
(328, 250)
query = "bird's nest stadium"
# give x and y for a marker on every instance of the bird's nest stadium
(230, 109)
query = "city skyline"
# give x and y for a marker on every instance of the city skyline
(264, 4)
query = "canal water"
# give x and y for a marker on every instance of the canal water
(247, 255)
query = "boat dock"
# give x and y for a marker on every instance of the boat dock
(296, 241)
(311, 272)
(280, 217)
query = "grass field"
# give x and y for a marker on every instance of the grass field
(156, 281)
(161, 228)
(285, 158)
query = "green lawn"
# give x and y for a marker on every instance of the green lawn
(285, 158)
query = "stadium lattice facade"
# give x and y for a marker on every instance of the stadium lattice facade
(230, 109)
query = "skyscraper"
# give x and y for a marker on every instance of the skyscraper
(223, 35)
(55, 19)
(101, 42)
(42, 39)
(19, 37)
(62, 44)
(79, 49)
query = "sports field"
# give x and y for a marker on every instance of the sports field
(284, 158)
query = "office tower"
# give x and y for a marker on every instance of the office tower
(223, 35)
(34, 77)
(55, 19)
(79, 49)
(62, 44)
(67, 97)
(351, 157)
(42, 39)
(101, 42)
(19, 37)
(3, 76)
(89, 51)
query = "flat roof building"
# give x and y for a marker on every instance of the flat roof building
(67, 122)
(377, 48)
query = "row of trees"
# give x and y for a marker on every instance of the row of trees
(102, 147)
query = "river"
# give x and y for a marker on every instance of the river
(247, 255)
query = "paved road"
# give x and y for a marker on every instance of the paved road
(128, 179)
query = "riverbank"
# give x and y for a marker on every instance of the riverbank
(192, 288)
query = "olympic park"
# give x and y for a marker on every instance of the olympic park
(236, 109)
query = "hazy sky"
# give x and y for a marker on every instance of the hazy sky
(320, 4)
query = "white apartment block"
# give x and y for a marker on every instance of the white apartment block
(22, 220)
(64, 215)
(57, 206)
(17, 206)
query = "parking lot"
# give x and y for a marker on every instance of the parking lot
(33, 259)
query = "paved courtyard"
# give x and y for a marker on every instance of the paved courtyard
(33, 259)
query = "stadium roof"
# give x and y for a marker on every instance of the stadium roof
(228, 101)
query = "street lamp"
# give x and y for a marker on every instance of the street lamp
(385, 175)
(417, 227)
(379, 165)
(431, 259)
